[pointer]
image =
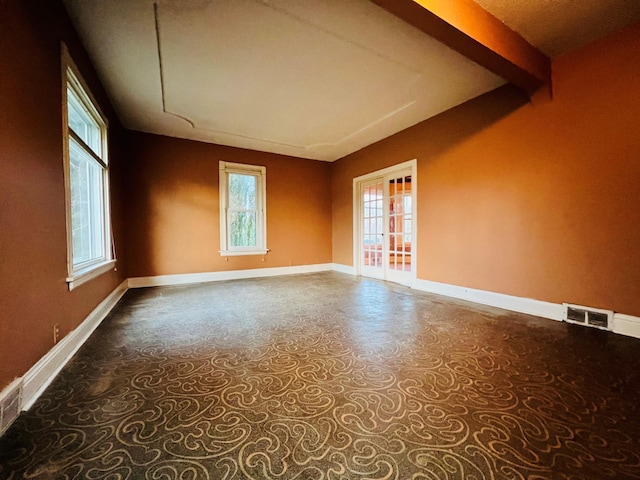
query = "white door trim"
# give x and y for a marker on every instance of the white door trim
(357, 210)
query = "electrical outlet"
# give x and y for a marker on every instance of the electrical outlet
(56, 333)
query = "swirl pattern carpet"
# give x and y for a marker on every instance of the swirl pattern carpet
(328, 376)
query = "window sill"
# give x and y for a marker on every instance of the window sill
(89, 273)
(237, 253)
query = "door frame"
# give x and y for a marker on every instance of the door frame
(358, 211)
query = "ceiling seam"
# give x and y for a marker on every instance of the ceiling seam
(164, 104)
(156, 7)
(333, 34)
(186, 119)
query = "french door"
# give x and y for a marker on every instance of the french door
(385, 233)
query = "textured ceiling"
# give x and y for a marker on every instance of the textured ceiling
(316, 79)
(559, 26)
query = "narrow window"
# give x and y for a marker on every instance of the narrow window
(243, 225)
(86, 170)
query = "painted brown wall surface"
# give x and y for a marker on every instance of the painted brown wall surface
(173, 208)
(33, 253)
(535, 199)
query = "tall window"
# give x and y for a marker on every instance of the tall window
(243, 223)
(86, 179)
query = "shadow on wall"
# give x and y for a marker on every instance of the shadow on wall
(426, 141)
(173, 208)
(172, 187)
(434, 136)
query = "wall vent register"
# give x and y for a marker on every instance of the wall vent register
(591, 317)
(10, 404)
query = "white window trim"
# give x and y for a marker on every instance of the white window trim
(83, 273)
(90, 273)
(261, 173)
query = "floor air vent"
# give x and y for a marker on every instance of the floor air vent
(592, 317)
(10, 404)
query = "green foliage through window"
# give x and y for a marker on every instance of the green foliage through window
(86, 134)
(242, 210)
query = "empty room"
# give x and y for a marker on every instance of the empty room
(319, 239)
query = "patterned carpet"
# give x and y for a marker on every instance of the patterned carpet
(327, 376)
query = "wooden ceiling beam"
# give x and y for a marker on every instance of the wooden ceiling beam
(467, 28)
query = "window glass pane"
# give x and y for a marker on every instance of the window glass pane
(87, 221)
(242, 209)
(242, 192)
(407, 203)
(242, 229)
(82, 123)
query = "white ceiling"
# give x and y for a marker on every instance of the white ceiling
(559, 26)
(314, 79)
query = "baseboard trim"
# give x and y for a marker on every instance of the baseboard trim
(186, 278)
(622, 324)
(339, 267)
(626, 325)
(553, 311)
(38, 378)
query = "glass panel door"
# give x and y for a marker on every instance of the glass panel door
(399, 198)
(386, 227)
(372, 227)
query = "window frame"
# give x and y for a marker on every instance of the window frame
(260, 172)
(81, 272)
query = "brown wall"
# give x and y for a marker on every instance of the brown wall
(33, 252)
(173, 208)
(535, 199)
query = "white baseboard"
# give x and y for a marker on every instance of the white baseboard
(554, 311)
(339, 267)
(622, 324)
(182, 279)
(626, 325)
(38, 378)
